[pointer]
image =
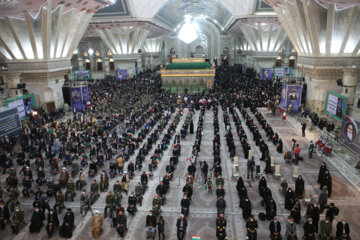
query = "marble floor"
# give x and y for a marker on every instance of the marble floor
(203, 210)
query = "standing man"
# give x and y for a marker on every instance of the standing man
(326, 229)
(204, 170)
(150, 225)
(343, 230)
(297, 154)
(303, 128)
(181, 226)
(250, 168)
(323, 199)
(309, 230)
(275, 229)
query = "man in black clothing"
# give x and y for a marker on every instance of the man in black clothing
(66, 228)
(250, 168)
(53, 222)
(181, 226)
(150, 225)
(36, 220)
(121, 221)
(204, 170)
(303, 128)
(275, 229)
(309, 230)
(144, 181)
(343, 230)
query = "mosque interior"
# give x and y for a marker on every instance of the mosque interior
(47, 46)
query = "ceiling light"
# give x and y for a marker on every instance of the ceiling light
(188, 31)
(90, 51)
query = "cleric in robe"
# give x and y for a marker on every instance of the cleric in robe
(293, 95)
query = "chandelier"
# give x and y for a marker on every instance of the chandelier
(188, 32)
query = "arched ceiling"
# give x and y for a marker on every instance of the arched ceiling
(173, 11)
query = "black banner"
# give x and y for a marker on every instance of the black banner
(10, 124)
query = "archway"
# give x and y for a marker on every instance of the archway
(166, 85)
(195, 86)
(187, 86)
(202, 86)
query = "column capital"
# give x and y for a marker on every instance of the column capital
(323, 74)
(351, 71)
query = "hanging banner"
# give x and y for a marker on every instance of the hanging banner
(335, 105)
(350, 133)
(283, 96)
(10, 124)
(85, 94)
(291, 97)
(82, 75)
(76, 100)
(294, 97)
(282, 71)
(120, 75)
(266, 74)
(24, 104)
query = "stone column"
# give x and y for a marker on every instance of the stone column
(107, 67)
(151, 61)
(12, 79)
(139, 64)
(319, 82)
(350, 80)
(81, 63)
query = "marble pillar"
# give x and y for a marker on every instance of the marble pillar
(107, 67)
(319, 82)
(12, 79)
(350, 80)
(81, 63)
(43, 78)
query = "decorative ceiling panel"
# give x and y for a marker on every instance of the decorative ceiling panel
(174, 10)
(339, 4)
(119, 9)
(154, 30)
(261, 6)
(16, 8)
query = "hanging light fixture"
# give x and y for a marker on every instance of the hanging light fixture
(188, 32)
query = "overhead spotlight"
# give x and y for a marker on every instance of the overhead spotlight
(239, 51)
(139, 50)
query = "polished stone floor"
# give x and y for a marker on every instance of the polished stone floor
(202, 210)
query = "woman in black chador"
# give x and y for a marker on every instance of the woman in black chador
(279, 147)
(322, 171)
(289, 199)
(299, 187)
(326, 181)
(191, 127)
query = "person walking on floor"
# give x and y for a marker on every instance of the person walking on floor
(303, 128)
(250, 168)
(297, 154)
